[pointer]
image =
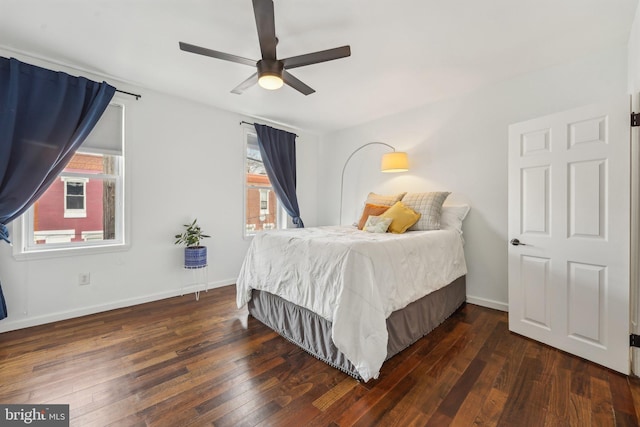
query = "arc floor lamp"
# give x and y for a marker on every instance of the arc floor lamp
(396, 161)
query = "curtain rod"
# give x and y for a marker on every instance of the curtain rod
(129, 93)
(253, 124)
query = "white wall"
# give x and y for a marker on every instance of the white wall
(183, 160)
(460, 145)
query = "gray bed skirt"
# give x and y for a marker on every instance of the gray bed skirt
(313, 333)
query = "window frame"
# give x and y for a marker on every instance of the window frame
(70, 212)
(23, 233)
(281, 215)
(264, 200)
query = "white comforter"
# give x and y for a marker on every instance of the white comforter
(352, 278)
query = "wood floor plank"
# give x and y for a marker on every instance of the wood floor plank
(559, 397)
(469, 412)
(634, 386)
(602, 412)
(512, 348)
(459, 392)
(417, 374)
(580, 379)
(622, 400)
(335, 393)
(531, 390)
(580, 413)
(471, 364)
(491, 410)
(181, 362)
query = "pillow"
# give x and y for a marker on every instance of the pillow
(371, 209)
(429, 206)
(402, 216)
(379, 199)
(376, 224)
(452, 217)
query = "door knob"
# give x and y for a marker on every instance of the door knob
(516, 242)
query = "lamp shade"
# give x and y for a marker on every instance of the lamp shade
(394, 162)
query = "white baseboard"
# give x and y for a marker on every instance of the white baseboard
(7, 325)
(484, 302)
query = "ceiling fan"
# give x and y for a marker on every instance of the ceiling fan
(271, 72)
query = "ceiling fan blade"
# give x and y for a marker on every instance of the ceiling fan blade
(253, 79)
(215, 54)
(265, 23)
(316, 57)
(296, 84)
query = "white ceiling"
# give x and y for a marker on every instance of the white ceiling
(405, 53)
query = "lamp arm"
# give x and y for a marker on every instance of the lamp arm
(347, 162)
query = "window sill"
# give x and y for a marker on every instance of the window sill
(69, 251)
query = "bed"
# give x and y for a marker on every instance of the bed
(350, 298)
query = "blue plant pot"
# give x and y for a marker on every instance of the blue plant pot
(195, 257)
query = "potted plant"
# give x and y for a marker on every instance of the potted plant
(195, 255)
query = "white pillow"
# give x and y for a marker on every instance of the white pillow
(377, 224)
(452, 217)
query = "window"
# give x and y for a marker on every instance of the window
(74, 197)
(264, 201)
(262, 209)
(84, 207)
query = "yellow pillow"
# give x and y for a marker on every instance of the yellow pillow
(402, 217)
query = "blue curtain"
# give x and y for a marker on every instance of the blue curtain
(3, 305)
(278, 150)
(44, 117)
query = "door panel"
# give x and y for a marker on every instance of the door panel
(569, 204)
(587, 287)
(591, 131)
(535, 194)
(535, 284)
(587, 197)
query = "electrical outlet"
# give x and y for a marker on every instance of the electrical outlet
(84, 279)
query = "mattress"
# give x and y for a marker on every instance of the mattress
(352, 279)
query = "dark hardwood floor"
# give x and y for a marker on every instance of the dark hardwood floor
(181, 362)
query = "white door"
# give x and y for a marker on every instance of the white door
(569, 202)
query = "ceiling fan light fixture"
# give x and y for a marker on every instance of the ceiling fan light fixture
(271, 70)
(270, 81)
(270, 74)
